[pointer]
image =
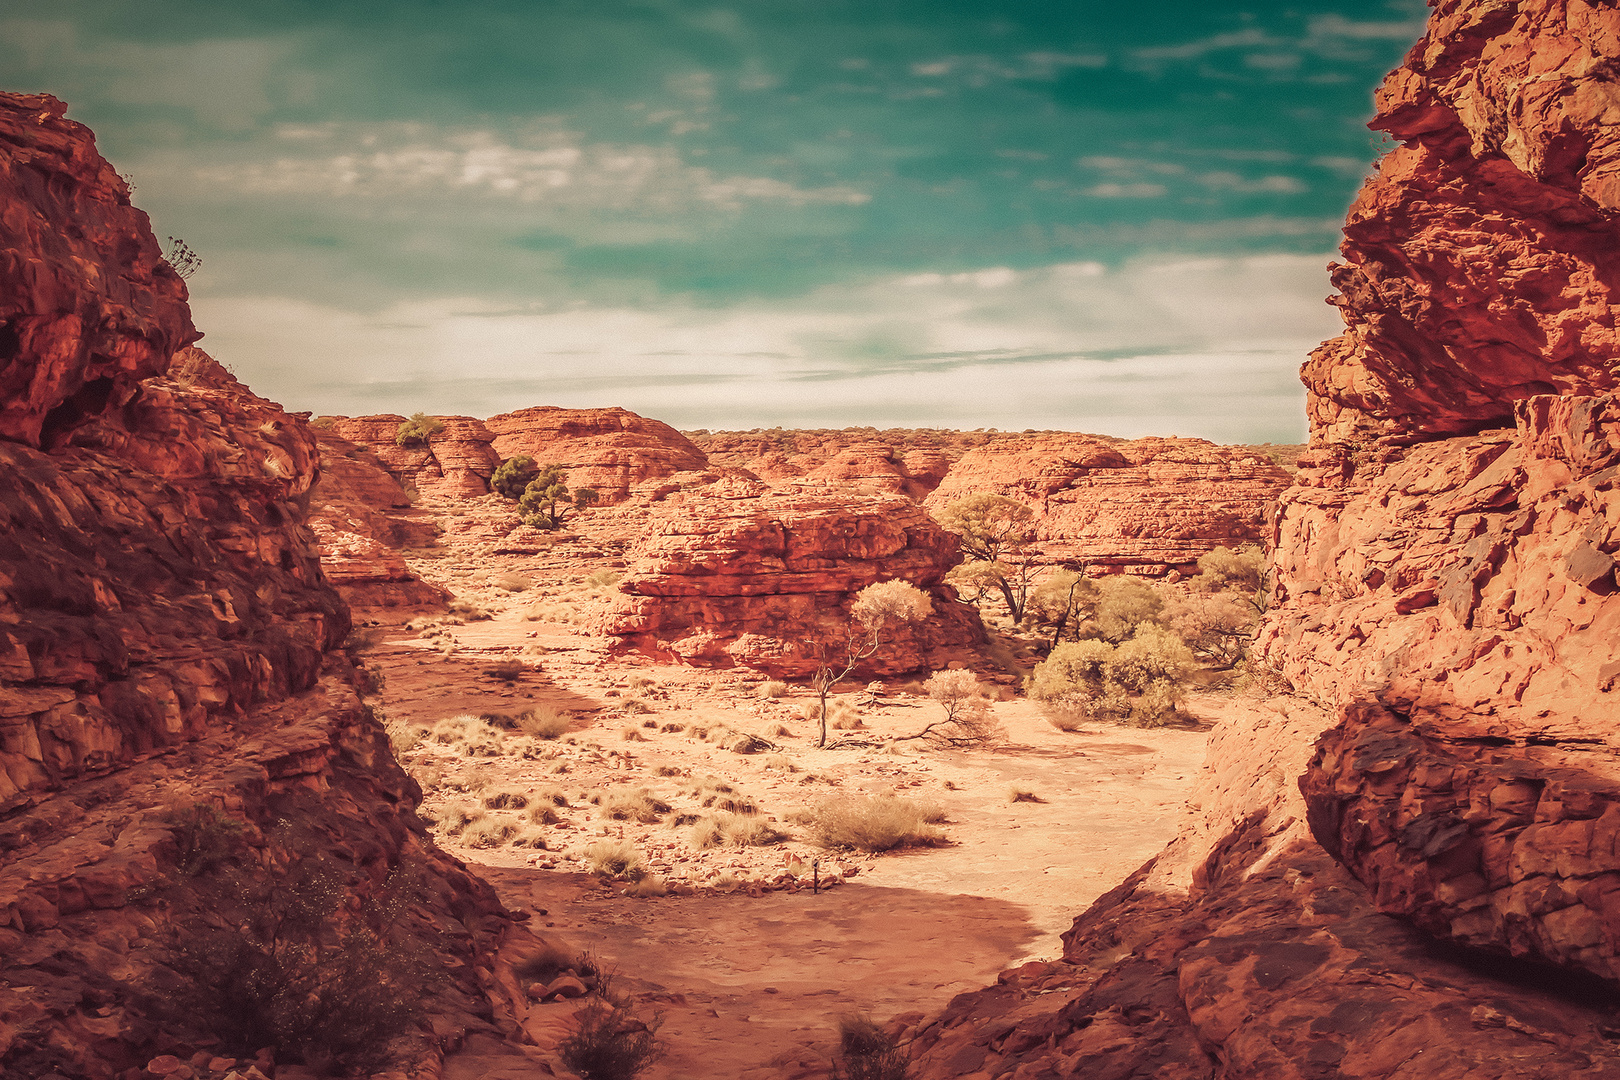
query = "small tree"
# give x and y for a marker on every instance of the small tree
(1123, 604)
(875, 607)
(1216, 625)
(417, 430)
(994, 532)
(968, 720)
(1245, 572)
(545, 498)
(1063, 599)
(512, 476)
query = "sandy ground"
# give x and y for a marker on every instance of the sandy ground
(750, 968)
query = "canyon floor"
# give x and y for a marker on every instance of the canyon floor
(748, 964)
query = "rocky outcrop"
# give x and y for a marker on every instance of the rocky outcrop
(1144, 506)
(99, 333)
(168, 647)
(455, 461)
(361, 518)
(732, 575)
(610, 450)
(1445, 605)
(909, 461)
(1245, 951)
(1445, 565)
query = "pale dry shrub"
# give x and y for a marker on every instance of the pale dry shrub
(488, 833)
(874, 823)
(780, 762)
(530, 838)
(866, 1052)
(631, 734)
(457, 816)
(638, 805)
(451, 730)
(1019, 793)
(672, 729)
(616, 858)
(735, 830)
(512, 582)
(603, 578)
(779, 731)
(543, 814)
(667, 770)
(483, 741)
(635, 706)
(469, 611)
(773, 689)
(651, 885)
(545, 722)
(506, 798)
(403, 738)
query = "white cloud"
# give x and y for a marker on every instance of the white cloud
(226, 83)
(1230, 181)
(1124, 191)
(549, 167)
(1324, 26)
(1194, 346)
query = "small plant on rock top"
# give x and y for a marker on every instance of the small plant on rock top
(417, 430)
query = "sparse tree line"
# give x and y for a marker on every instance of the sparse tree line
(1120, 648)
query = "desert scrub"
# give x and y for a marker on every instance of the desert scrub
(488, 833)
(511, 582)
(505, 798)
(469, 611)
(867, 1052)
(604, 578)
(506, 670)
(204, 837)
(616, 859)
(773, 689)
(874, 823)
(647, 886)
(455, 818)
(451, 730)
(545, 722)
(639, 805)
(631, 734)
(609, 1042)
(417, 430)
(734, 830)
(1022, 793)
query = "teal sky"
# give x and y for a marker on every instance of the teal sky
(1096, 216)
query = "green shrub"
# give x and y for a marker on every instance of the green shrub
(513, 475)
(417, 430)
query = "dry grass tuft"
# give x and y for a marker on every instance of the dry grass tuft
(647, 886)
(488, 833)
(506, 670)
(777, 731)
(735, 830)
(639, 805)
(511, 582)
(544, 814)
(667, 770)
(616, 858)
(1019, 793)
(780, 762)
(773, 689)
(631, 734)
(505, 798)
(457, 816)
(874, 823)
(545, 722)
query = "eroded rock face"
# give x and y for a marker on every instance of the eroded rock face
(456, 461)
(1143, 506)
(1479, 260)
(167, 640)
(610, 450)
(98, 334)
(1445, 563)
(728, 575)
(361, 518)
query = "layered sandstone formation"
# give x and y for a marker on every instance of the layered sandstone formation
(1445, 607)
(167, 641)
(362, 517)
(910, 461)
(610, 450)
(732, 574)
(454, 462)
(1144, 506)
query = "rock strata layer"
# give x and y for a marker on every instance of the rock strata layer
(1143, 506)
(610, 450)
(730, 574)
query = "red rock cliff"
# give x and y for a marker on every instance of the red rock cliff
(611, 450)
(167, 640)
(730, 575)
(1446, 607)
(1143, 506)
(1451, 593)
